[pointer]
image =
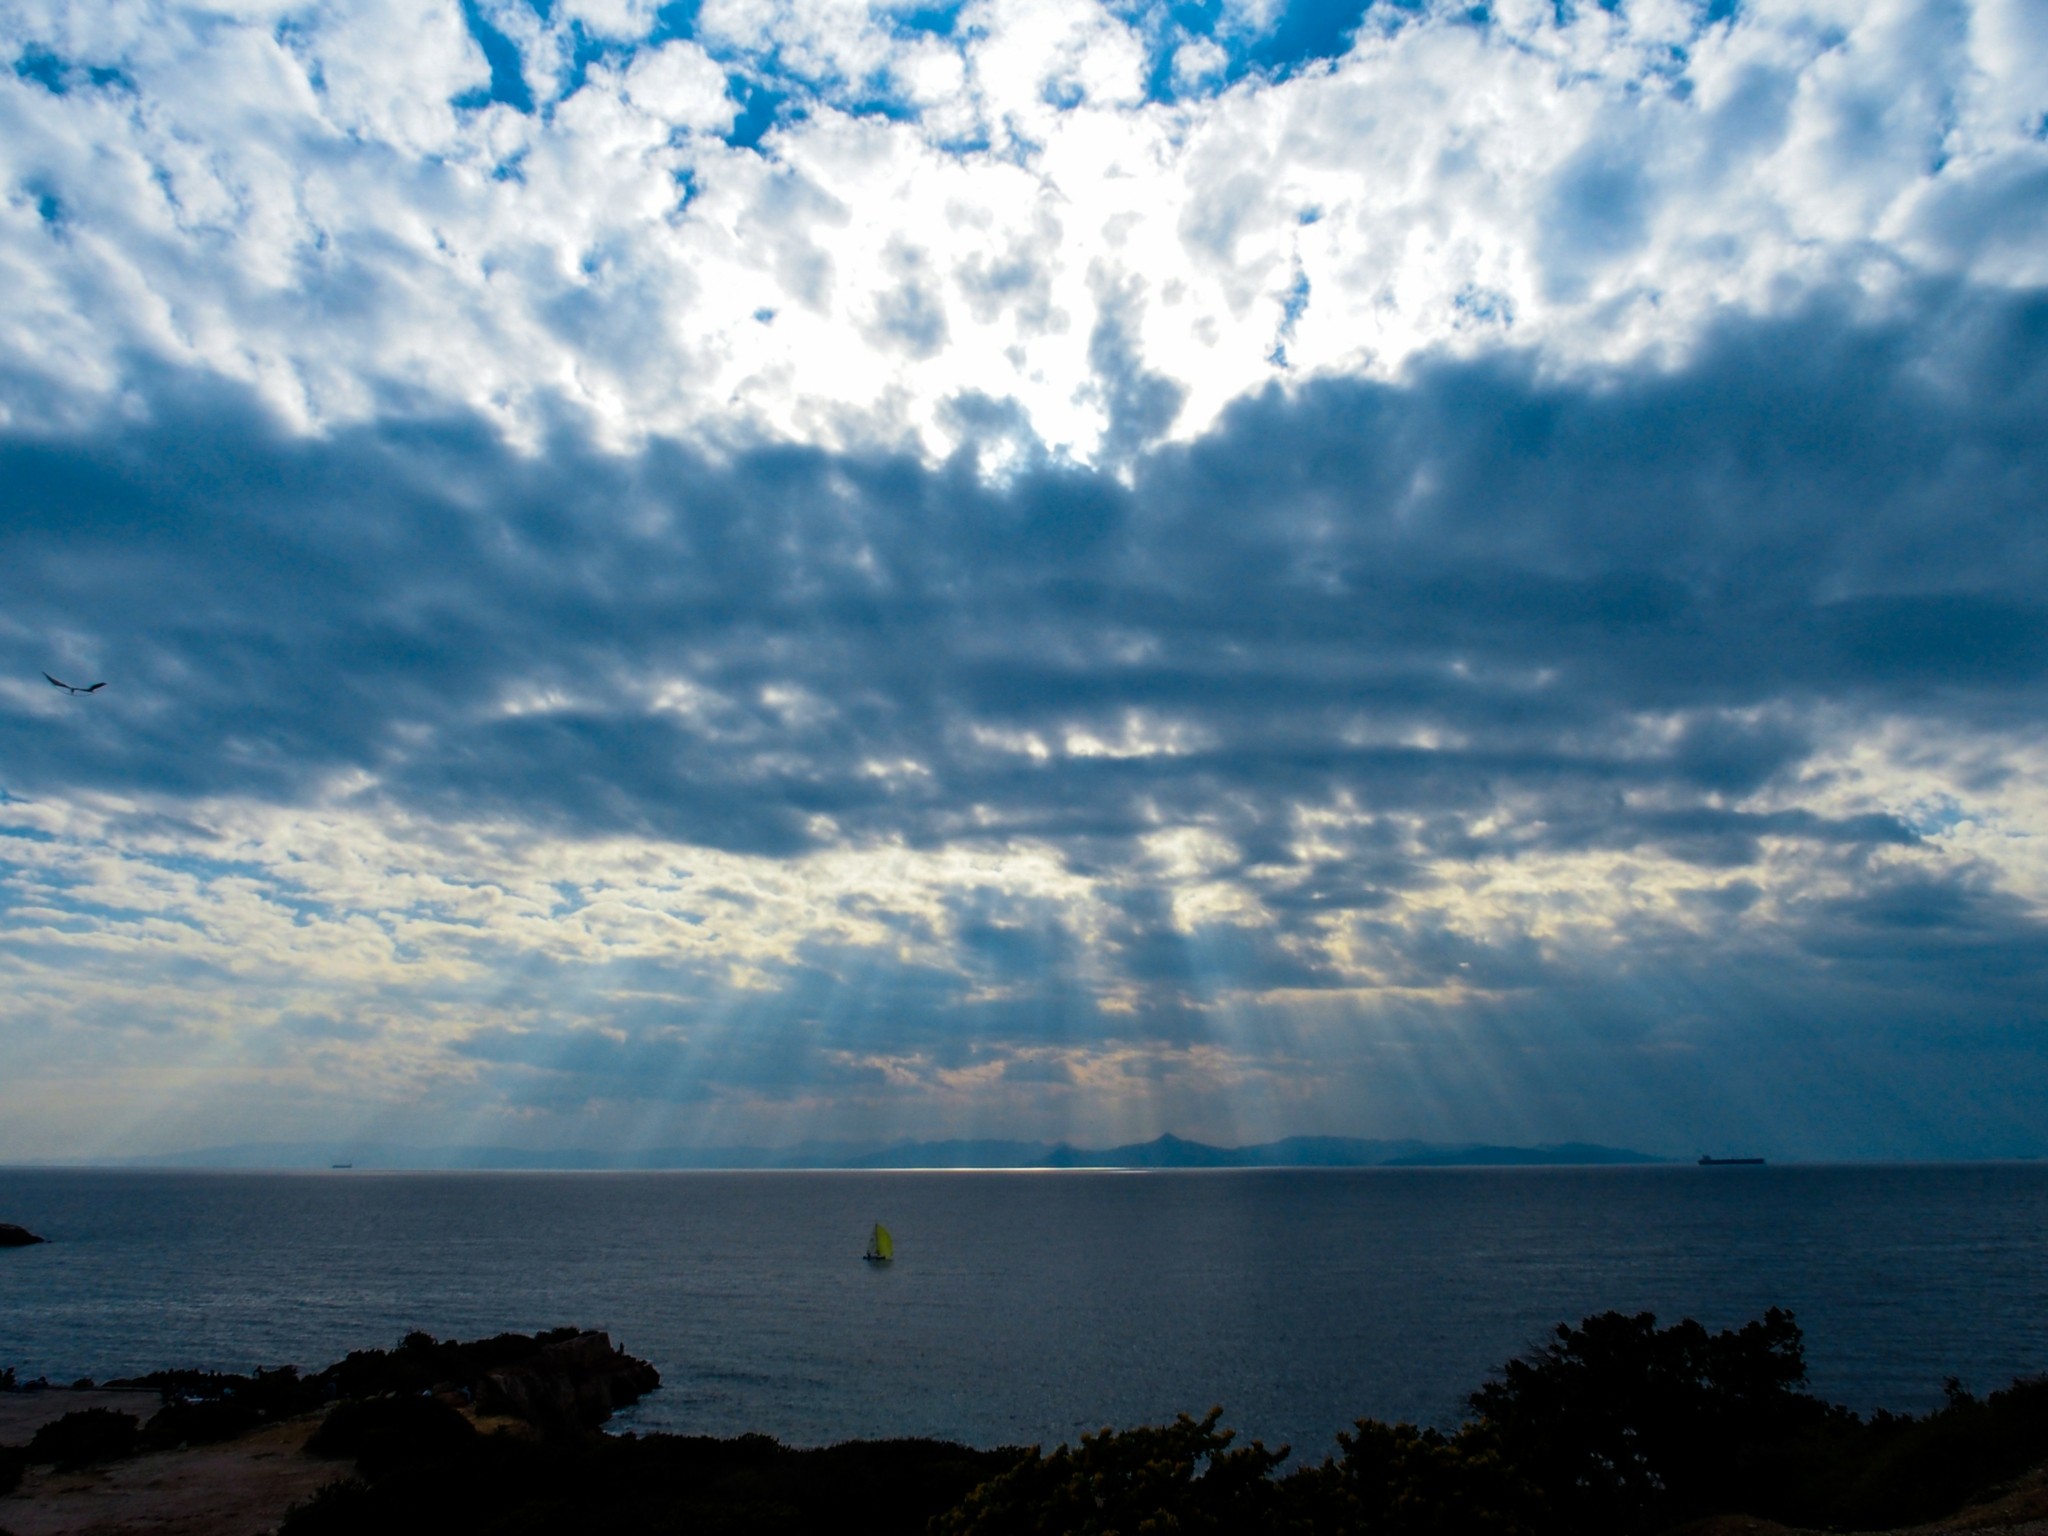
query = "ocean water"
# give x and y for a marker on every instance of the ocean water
(1030, 1307)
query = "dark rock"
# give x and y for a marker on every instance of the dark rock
(567, 1384)
(423, 1364)
(12, 1236)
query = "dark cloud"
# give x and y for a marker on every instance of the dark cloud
(1599, 210)
(1008, 939)
(1139, 403)
(1954, 925)
(1484, 611)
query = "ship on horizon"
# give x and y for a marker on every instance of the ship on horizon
(1730, 1162)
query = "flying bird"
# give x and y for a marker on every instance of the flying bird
(95, 688)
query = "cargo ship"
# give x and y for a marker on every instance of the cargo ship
(1730, 1162)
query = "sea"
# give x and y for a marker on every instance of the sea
(1032, 1307)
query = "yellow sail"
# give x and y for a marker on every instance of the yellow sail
(881, 1245)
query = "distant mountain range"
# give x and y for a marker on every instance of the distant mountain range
(1291, 1152)
(1162, 1152)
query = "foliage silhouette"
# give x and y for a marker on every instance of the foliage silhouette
(1625, 1426)
(1615, 1427)
(1183, 1477)
(389, 1434)
(90, 1435)
(1898, 1470)
(1397, 1480)
(205, 1407)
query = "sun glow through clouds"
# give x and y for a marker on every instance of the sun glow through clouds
(1038, 569)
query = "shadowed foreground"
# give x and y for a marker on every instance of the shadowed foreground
(1614, 1428)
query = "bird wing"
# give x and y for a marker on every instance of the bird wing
(96, 687)
(54, 683)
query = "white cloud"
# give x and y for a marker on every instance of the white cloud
(679, 84)
(290, 198)
(1198, 61)
(620, 19)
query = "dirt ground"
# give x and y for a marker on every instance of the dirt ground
(239, 1488)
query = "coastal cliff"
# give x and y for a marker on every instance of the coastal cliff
(577, 1382)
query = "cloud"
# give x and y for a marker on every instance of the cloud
(1622, 597)
(496, 212)
(1485, 694)
(1025, 568)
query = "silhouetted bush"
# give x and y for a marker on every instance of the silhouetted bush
(13, 1462)
(1897, 1470)
(204, 1407)
(90, 1435)
(1624, 1426)
(1183, 1478)
(1614, 1428)
(1397, 1480)
(384, 1434)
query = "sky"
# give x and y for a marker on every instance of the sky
(743, 571)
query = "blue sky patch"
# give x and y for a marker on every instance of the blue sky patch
(508, 80)
(45, 69)
(760, 110)
(1293, 305)
(60, 76)
(1304, 33)
(931, 20)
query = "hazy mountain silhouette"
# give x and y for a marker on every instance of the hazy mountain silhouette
(1161, 1152)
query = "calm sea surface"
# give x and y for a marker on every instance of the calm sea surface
(1032, 1306)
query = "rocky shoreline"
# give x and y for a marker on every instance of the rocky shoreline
(427, 1436)
(1615, 1428)
(217, 1454)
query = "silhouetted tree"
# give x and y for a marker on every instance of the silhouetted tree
(1397, 1480)
(1182, 1478)
(1624, 1426)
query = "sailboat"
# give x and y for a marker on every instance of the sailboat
(881, 1247)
